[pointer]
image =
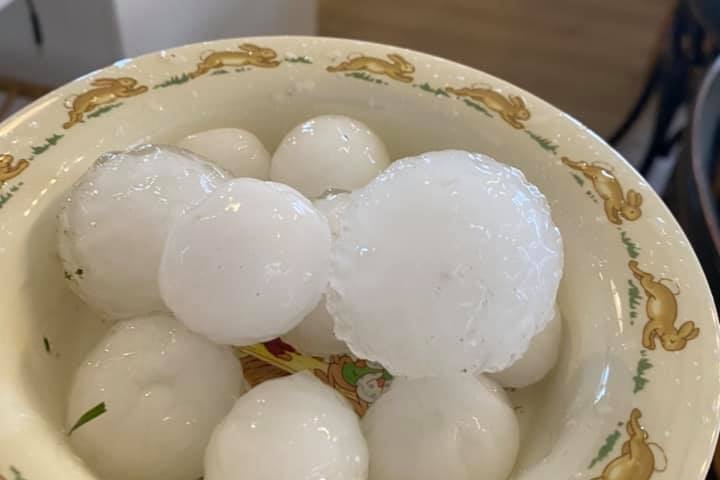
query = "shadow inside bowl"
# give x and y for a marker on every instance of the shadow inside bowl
(62, 328)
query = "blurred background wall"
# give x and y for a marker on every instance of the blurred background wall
(589, 57)
(50, 42)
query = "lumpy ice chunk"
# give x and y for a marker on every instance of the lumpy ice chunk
(238, 151)
(537, 361)
(247, 264)
(328, 152)
(446, 262)
(113, 225)
(165, 389)
(292, 428)
(451, 428)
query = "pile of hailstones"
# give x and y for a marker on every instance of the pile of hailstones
(442, 267)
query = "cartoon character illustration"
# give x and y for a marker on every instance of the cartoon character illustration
(249, 55)
(360, 381)
(8, 170)
(636, 461)
(257, 371)
(511, 109)
(280, 349)
(106, 90)
(661, 309)
(397, 68)
(609, 189)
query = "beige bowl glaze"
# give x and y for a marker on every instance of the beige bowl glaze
(630, 358)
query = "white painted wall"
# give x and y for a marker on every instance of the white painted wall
(84, 35)
(80, 36)
(149, 25)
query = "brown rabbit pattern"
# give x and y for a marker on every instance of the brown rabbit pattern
(249, 55)
(636, 460)
(661, 309)
(512, 108)
(397, 68)
(8, 170)
(106, 90)
(608, 188)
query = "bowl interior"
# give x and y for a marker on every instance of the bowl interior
(573, 423)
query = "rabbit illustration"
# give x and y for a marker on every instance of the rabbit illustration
(249, 55)
(661, 308)
(360, 381)
(610, 191)
(636, 460)
(397, 68)
(512, 108)
(8, 170)
(107, 91)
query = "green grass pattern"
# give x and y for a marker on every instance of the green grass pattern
(89, 416)
(49, 142)
(366, 77)
(16, 474)
(438, 92)
(643, 366)
(76, 274)
(580, 181)
(632, 249)
(174, 80)
(606, 448)
(545, 143)
(219, 72)
(634, 297)
(591, 195)
(302, 59)
(634, 294)
(104, 110)
(5, 197)
(476, 106)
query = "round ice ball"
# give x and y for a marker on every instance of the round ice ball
(328, 152)
(112, 227)
(540, 357)
(238, 151)
(453, 257)
(315, 335)
(291, 428)
(247, 264)
(165, 389)
(452, 427)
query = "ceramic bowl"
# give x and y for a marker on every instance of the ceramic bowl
(637, 387)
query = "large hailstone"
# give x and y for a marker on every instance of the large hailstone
(328, 152)
(238, 151)
(315, 335)
(540, 357)
(451, 428)
(291, 428)
(113, 226)
(165, 389)
(332, 206)
(446, 262)
(247, 264)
